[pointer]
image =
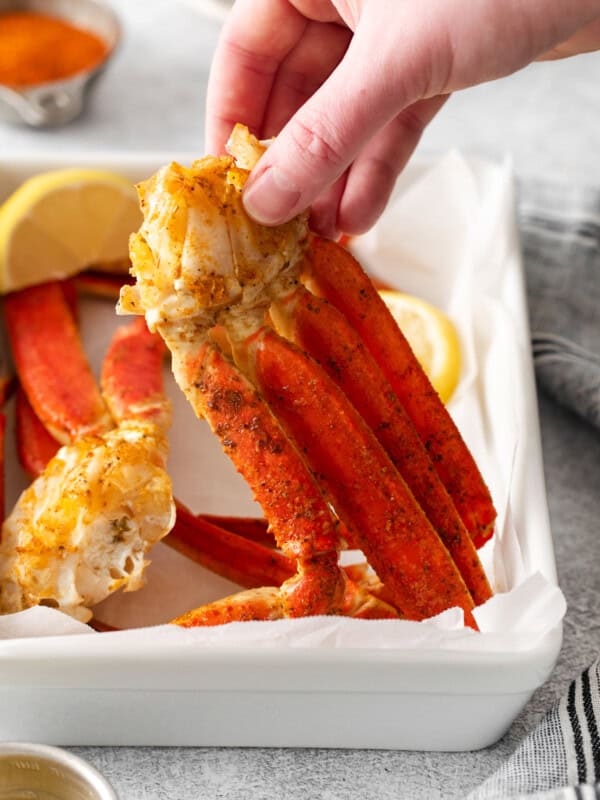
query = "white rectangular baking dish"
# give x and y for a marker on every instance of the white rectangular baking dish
(169, 691)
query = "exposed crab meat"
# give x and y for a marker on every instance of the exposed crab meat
(83, 528)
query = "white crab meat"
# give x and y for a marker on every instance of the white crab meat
(198, 257)
(83, 528)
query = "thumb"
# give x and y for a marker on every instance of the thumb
(325, 135)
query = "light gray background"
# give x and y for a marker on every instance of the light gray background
(547, 118)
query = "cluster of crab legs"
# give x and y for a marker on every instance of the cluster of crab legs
(313, 392)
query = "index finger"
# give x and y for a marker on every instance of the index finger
(257, 37)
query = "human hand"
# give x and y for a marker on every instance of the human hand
(348, 87)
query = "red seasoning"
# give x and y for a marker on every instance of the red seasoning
(36, 48)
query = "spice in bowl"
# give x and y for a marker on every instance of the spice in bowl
(37, 48)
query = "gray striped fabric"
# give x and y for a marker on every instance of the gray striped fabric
(560, 234)
(560, 759)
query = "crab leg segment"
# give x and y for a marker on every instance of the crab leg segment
(35, 446)
(253, 529)
(231, 556)
(299, 516)
(320, 329)
(266, 604)
(131, 378)
(262, 604)
(252, 565)
(366, 490)
(51, 363)
(334, 274)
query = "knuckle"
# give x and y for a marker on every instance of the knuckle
(411, 123)
(383, 173)
(317, 144)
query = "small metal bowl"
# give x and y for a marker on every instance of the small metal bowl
(40, 772)
(58, 102)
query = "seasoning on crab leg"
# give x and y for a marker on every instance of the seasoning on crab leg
(51, 363)
(202, 265)
(321, 330)
(366, 490)
(265, 603)
(84, 526)
(333, 273)
(298, 514)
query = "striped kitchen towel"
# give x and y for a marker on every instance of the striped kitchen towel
(560, 236)
(560, 759)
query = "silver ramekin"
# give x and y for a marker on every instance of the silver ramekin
(58, 102)
(35, 771)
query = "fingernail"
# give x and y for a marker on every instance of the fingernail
(271, 198)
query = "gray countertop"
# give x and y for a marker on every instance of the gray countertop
(547, 119)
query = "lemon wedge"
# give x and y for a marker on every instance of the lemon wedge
(58, 223)
(432, 337)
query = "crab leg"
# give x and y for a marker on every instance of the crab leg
(252, 565)
(317, 326)
(131, 379)
(263, 604)
(253, 529)
(51, 363)
(334, 274)
(35, 446)
(132, 385)
(299, 516)
(366, 490)
(231, 556)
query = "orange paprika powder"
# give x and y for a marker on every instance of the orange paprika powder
(36, 48)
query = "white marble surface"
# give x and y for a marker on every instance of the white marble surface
(547, 118)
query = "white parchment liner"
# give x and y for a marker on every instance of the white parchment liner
(448, 236)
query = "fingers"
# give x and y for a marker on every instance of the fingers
(246, 61)
(586, 40)
(304, 69)
(373, 174)
(324, 211)
(362, 94)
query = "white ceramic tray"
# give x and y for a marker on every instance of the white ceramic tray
(164, 686)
